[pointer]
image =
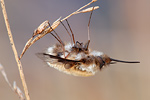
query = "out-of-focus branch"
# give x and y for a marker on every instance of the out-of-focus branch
(15, 88)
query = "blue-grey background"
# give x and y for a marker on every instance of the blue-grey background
(119, 28)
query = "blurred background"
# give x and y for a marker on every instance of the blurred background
(119, 28)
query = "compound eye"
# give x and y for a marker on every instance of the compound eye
(101, 62)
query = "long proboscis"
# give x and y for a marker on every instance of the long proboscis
(116, 60)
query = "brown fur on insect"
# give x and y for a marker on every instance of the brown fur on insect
(76, 58)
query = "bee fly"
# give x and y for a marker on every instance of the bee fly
(76, 58)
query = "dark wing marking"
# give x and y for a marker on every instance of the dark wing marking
(47, 57)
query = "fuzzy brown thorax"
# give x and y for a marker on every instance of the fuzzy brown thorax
(78, 60)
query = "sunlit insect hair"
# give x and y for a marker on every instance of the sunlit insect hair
(76, 58)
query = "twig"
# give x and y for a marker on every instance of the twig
(15, 88)
(77, 11)
(14, 50)
(43, 29)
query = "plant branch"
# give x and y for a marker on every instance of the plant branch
(43, 29)
(14, 50)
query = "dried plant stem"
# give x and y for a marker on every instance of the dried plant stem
(14, 88)
(14, 50)
(42, 30)
(77, 10)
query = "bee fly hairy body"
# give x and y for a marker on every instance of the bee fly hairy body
(76, 58)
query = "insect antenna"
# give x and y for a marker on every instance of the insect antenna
(67, 31)
(71, 31)
(122, 61)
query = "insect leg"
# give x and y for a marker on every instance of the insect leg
(67, 30)
(89, 24)
(71, 31)
(58, 38)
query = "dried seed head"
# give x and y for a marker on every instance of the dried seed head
(94, 0)
(44, 27)
(41, 28)
(56, 23)
(89, 9)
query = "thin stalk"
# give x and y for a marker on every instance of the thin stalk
(15, 51)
